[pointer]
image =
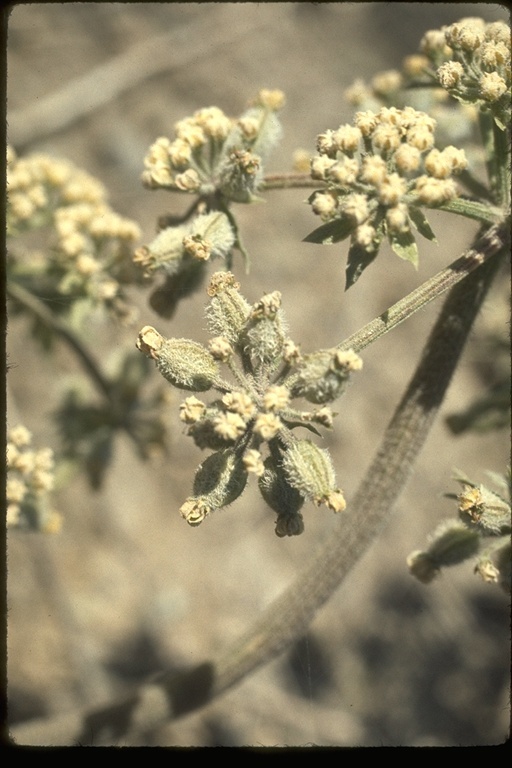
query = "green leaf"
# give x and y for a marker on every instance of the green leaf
(419, 220)
(358, 260)
(331, 232)
(404, 245)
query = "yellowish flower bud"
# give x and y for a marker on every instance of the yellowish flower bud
(309, 470)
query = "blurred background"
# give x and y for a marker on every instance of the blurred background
(127, 588)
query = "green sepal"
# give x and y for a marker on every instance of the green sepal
(358, 260)
(420, 221)
(331, 232)
(404, 245)
(295, 424)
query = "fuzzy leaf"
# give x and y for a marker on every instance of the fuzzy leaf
(331, 232)
(419, 220)
(404, 245)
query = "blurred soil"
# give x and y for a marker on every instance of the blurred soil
(128, 588)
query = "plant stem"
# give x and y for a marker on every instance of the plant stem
(37, 308)
(486, 246)
(172, 695)
(289, 181)
(502, 180)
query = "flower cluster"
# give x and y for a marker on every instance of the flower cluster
(89, 256)
(379, 173)
(254, 408)
(212, 153)
(471, 61)
(220, 160)
(482, 530)
(30, 479)
(181, 254)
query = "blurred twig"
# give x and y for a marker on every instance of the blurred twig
(106, 82)
(47, 318)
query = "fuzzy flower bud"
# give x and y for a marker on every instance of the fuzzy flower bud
(326, 143)
(344, 171)
(397, 218)
(276, 398)
(220, 479)
(267, 425)
(270, 99)
(220, 348)
(191, 410)
(229, 426)
(492, 86)
(283, 498)
(450, 74)
(185, 364)
(322, 376)
(253, 462)
(452, 543)
(366, 122)
(441, 164)
(347, 138)
(309, 470)
(228, 311)
(324, 205)
(433, 191)
(386, 83)
(320, 167)
(241, 403)
(483, 509)
(240, 175)
(265, 329)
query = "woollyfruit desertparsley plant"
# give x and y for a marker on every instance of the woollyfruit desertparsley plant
(256, 406)
(374, 180)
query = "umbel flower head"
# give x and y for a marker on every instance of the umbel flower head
(214, 154)
(91, 246)
(254, 413)
(220, 161)
(30, 480)
(378, 174)
(482, 531)
(471, 61)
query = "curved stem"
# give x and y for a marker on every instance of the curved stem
(289, 181)
(172, 695)
(502, 181)
(37, 308)
(487, 245)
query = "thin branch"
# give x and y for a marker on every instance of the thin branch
(172, 695)
(106, 82)
(39, 310)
